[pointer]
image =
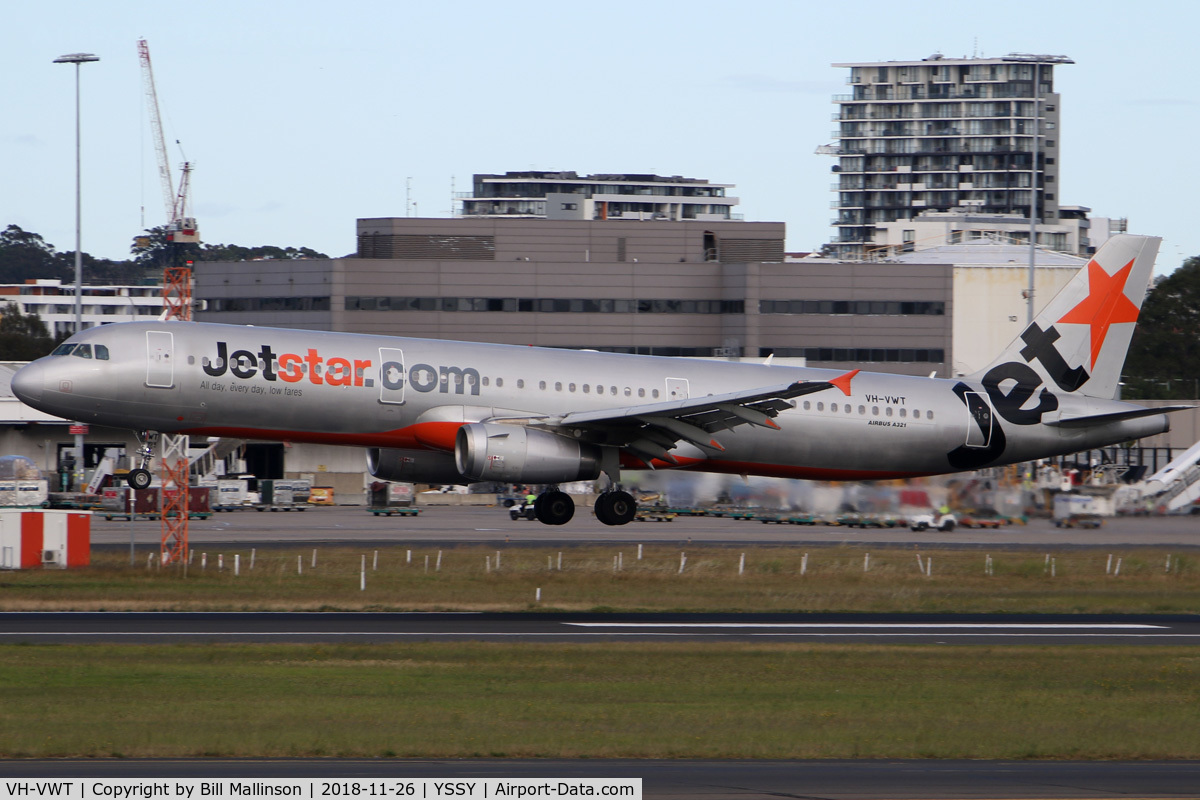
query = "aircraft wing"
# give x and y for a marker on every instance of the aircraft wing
(649, 431)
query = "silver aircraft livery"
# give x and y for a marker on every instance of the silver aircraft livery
(457, 412)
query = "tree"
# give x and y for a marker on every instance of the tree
(1164, 356)
(25, 256)
(23, 337)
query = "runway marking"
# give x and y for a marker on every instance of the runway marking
(597, 634)
(874, 625)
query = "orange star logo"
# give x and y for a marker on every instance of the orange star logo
(1105, 305)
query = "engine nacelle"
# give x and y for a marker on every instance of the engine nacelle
(413, 466)
(513, 454)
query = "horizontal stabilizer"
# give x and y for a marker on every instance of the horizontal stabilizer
(1100, 419)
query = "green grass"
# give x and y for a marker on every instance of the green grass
(674, 700)
(834, 580)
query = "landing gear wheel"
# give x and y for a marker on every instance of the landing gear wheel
(139, 478)
(616, 508)
(554, 508)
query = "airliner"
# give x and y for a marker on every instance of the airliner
(449, 412)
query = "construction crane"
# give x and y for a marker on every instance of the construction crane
(181, 227)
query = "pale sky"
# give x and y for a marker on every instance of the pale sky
(301, 117)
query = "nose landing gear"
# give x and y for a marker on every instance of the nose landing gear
(140, 477)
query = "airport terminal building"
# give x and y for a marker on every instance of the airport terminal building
(673, 288)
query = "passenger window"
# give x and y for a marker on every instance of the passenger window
(820, 406)
(917, 414)
(558, 386)
(875, 411)
(628, 391)
(641, 392)
(928, 415)
(903, 413)
(541, 384)
(570, 387)
(484, 381)
(849, 409)
(587, 388)
(862, 409)
(654, 394)
(499, 382)
(833, 407)
(613, 391)
(520, 383)
(888, 411)
(807, 405)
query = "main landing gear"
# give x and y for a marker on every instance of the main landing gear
(554, 507)
(140, 477)
(616, 508)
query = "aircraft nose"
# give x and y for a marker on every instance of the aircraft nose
(27, 383)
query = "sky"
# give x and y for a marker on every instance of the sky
(301, 117)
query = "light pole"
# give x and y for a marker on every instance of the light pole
(77, 59)
(1037, 61)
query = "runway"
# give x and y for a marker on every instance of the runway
(450, 525)
(160, 627)
(705, 780)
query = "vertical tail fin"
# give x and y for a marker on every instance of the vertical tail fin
(1079, 340)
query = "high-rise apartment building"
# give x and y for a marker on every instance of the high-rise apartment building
(567, 195)
(945, 134)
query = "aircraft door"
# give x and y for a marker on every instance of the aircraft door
(979, 427)
(391, 375)
(160, 367)
(677, 389)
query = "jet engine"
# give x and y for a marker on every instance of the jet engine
(513, 454)
(413, 466)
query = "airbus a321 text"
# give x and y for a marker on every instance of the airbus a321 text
(456, 412)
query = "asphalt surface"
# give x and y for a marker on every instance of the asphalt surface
(661, 779)
(943, 629)
(448, 524)
(706, 780)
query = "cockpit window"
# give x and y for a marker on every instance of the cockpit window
(63, 349)
(82, 351)
(102, 352)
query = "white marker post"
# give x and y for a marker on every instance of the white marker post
(314, 558)
(375, 562)
(804, 564)
(362, 575)
(639, 552)
(299, 565)
(408, 557)
(537, 597)
(220, 562)
(560, 560)
(1054, 566)
(1117, 571)
(929, 567)
(920, 564)
(742, 564)
(682, 562)
(237, 564)
(204, 561)
(427, 563)
(1108, 566)
(438, 567)
(866, 561)
(251, 558)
